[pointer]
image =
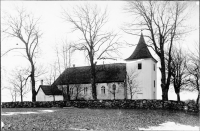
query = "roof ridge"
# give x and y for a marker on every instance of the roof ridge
(96, 65)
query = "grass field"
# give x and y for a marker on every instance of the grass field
(96, 119)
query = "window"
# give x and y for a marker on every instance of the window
(103, 90)
(139, 66)
(85, 90)
(154, 83)
(114, 87)
(71, 91)
(154, 67)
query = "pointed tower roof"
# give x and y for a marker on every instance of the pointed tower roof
(141, 51)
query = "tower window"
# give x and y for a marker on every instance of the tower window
(154, 83)
(154, 67)
(139, 66)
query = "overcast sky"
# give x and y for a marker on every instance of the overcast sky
(55, 30)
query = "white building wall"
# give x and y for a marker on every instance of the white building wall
(145, 79)
(119, 93)
(81, 94)
(58, 98)
(48, 98)
(109, 93)
(154, 78)
(42, 97)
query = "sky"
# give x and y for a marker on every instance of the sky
(55, 30)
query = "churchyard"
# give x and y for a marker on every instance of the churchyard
(83, 119)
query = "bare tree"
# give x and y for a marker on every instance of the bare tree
(13, 93)
(113, 90)
(63, 56)
(62, 62)
(194, 74)
(18, 81)
(163, 22)
(179, 71)
(75, 91)
(96, 43)
(24, 27)
(132, 83)
(52, 75)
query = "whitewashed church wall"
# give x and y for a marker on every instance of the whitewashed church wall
(154, 77)
(109, 93)
(119, 90)
(40, 95)
(132, 69)
(48, 98)
(100, 95)
(149, 66)
(145, 79)
(81, 93)
(58, 97)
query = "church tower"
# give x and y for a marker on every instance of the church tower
(141, 70)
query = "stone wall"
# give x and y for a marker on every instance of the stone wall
(116, 104)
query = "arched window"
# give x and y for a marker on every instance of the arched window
(71, 91)
(114, 87)
(103, 90)
(85, 90)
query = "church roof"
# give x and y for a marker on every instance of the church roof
(141, 51)
(48, 90)
(104, 74)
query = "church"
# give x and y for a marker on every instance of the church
(135, 78)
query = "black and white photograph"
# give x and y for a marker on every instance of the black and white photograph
(100, 65)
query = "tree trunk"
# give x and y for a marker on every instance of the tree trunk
(178, 97)
(177, 90)
(15, 96)
(21, 98)
(63, 94)
(33, 89)
(131, 96)
(197, 101)
(33, 84)
(53, 97)
(131, 93)
(32, 75)
(21, 93)
(93, 72)
(68, 93)
(164, 93)
(164, 86)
